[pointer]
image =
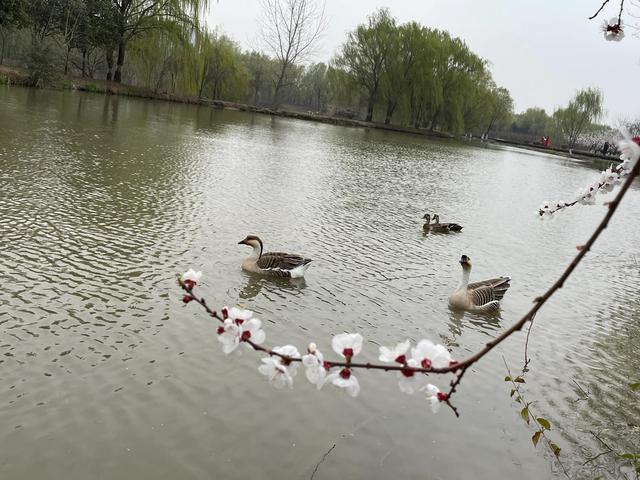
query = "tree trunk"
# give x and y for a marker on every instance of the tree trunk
(434, 119)
(109, 55)
(391, 106)
(66, 61)
(84, 63)
(279, 83)
(489, 128)
(2, 37)
(117, 77)
(370, 105)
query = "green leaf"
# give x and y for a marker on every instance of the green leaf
(555, 449)
(525, 414)
(519, 380)
(513, 391)
(630, 456)
(535, 438)
(544, 423)
(634, 386)
(507, 378)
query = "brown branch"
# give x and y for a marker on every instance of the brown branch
(599, 10)
(620, 14)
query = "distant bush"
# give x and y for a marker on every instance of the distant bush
(4, 80)
(43, 66)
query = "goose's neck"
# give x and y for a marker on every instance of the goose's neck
(465, 277)
(256, 253)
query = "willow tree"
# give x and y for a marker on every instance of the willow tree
(583, 109)
(500, 106)
(135, 17)
(261, 70)
(366, 53)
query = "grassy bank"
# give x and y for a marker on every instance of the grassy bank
(17, 76)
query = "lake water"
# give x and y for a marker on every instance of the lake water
(106, 374)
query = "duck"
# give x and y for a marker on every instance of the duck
(451, 227)
(275, 264)
(484, 296)
(439, 227)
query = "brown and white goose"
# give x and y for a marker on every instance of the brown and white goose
(450, 227)
(481, 296)
(275, 264)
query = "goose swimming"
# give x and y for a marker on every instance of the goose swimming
(451, 227)
(276, 264)
(437, 226)
(481, 296)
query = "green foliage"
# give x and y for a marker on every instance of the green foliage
(583, 109)
(634, 386)
(555, 449)
(544, 423)
(536, 438)
(43, 65)
(422, 77)
(524, 413)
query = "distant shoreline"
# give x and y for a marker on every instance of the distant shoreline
(19, 77)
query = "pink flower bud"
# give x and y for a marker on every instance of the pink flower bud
(187, 298)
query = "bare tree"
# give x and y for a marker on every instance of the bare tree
(290, 29)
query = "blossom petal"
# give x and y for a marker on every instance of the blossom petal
(347, 340)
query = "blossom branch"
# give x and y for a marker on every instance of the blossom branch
(239, 326)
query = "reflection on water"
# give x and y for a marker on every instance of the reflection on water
(106, 373)
(255, 284)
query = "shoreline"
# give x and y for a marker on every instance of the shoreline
(17, 76)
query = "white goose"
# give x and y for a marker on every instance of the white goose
(275, 264)
(481, 296)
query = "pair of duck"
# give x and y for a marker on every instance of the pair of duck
(481, 296)
(436, 226)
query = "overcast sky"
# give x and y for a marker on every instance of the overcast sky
(542, 51)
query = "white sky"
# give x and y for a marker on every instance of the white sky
(541, 50)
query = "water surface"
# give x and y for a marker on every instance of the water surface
(106, 374)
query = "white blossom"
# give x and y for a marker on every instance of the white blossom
(229, 336)
(609, 177)
(345, 379)
(314, 366)
(239, 326)
(395, 354)
(410, 381)
(236, 313)
(428, 355)
(347, 344)
(280, 371)
(588, 195)
(192, 276)
(434, 396)
(629, 152)
(613, 30)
